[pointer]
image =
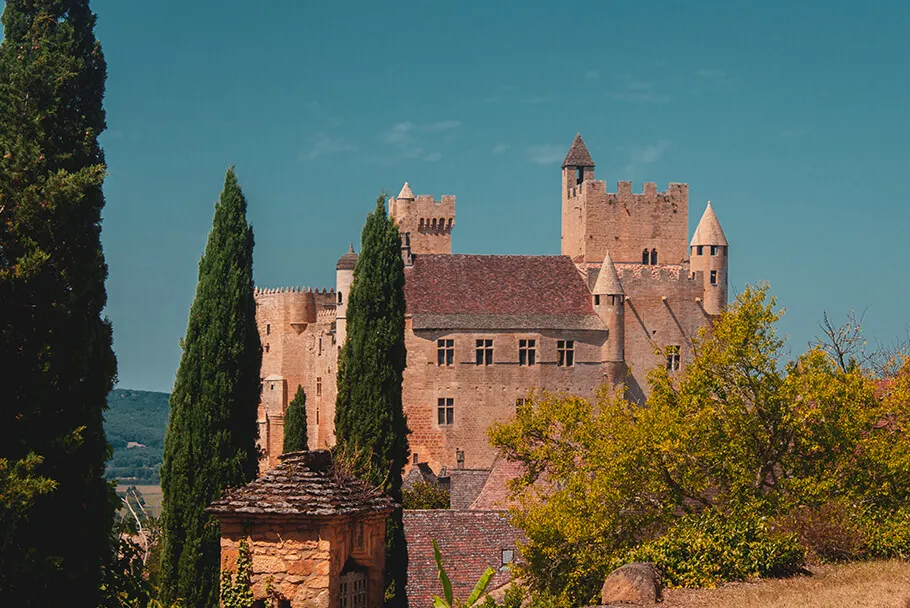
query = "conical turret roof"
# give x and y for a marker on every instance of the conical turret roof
(348, 260)
(708, 231)
(578, 155)
(406, 193)
(607, 280)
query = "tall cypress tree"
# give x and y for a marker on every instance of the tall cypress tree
(55, 347)
(295, 430)
(210, 442)
(369, 415)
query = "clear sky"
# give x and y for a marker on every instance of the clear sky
(792, 118)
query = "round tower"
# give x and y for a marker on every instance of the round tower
(709, 254)
(344, 278)
(609, 304)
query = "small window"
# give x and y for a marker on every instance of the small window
(713, 249)
(508, 556)
(272, 386)
(268, 329)
(319, 387)
(653, 257)
(484, 352)
(527, 352)
(317, 415)
(596, 300)
(580, 175)
(339, 297)
(266, 348)
(672, 358)
(445, 411)
(445, 352)
(565, 353)
(320, 347)
(459, 458)
(714, 277)
(414, 458)
(645, 257)
(420, 226)
(699, 250)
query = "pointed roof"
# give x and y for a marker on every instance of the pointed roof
(406, 193)
(708, 231)
(578, 155)
(348, 260)
(607, 280)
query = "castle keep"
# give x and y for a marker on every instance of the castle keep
(481, 331)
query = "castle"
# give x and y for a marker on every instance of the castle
(481, 331)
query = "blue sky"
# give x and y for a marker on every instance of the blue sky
(791, 119)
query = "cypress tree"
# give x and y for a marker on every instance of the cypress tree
(210, 442)
(369, 415)
(295, 438)
(55, 347)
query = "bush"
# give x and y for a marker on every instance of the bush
(425, 495)
(704, 550)
(889, 536)
(830, 532)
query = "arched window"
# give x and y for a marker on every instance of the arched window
(644, 257)
(434, 223)
(654, 257)
(442, 223)
(339, 297)
(420, 226)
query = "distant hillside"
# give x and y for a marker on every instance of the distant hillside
(135, 424)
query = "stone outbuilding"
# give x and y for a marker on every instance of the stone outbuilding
(317, 537)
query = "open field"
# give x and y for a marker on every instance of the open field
(878, 584)
(151, 494)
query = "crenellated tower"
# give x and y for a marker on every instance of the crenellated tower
(709, 254)
(425, 223)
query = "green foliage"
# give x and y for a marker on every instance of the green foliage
(740, 430)
(125, 583)
(135, 423)
(210, 443)
(449, 601)
(295, 431)
(425, 495)
(237, 591)
(368, 415)
(55, 346)
(706, 549)
(888, 534)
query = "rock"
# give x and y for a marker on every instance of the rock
(635, 583)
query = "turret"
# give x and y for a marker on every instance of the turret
(344, 278)
(577, 167)
(708, 253)
(425, 224)
(609, 303)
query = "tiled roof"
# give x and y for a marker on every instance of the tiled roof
(348, 261)
(578, 155)
(607, 279)
(497, 291)
(304, 484)
(465, 485)
(495, 493)
(708, 231)
(406, 193)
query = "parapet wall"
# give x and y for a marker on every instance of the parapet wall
(666, 279)
(427, 222)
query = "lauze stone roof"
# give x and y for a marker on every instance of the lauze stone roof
(498, 292)
(304, 484)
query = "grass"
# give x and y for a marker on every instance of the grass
(874, 584)
(151, 494)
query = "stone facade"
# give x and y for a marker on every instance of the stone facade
(629, 283)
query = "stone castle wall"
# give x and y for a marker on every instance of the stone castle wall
(428, 222)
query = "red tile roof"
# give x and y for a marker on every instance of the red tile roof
(498, 291)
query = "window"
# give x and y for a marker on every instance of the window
(459, 458)
(565, 353)
(699, 250)
(713, 249)
(672, 358)
(319, 387)
(415, 458)
(645, 257)
(580, 176)
(714, 277)
(445, 352)
(508, 555)
(268, 329)
(653, 257)
(527, 352)
(445, 411)
(266, 348)
(317, 415)
(339, 297)
(320, 346)
(353, 590)
(596, 300)
(484, 352)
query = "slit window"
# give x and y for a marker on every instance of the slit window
(653, 257)
(484, 352)
(319, 387)
(713, 249)
(714, 277)
(645, 257)
(268, 329)
(565, 353)
(339, 297)
(317, 415)
(415, 458)
(672, 358)
(445, 411)
(527, 352)
(445, 352)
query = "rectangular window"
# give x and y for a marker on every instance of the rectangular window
(319, 387)
(673, 358)
(508, 556)
(415, 458)
(268, 329)
(266, 348)
(714, 277)
(565, 353)
(317, 415)
(320, 347)
(713, 249)
(527, 352)
(596, 300)
(484, 352)
(445, 352)
(445, 411)
(699, 250)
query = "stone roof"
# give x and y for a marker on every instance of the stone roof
(578, 155)
(607, 280)
(348, 260)
(304, 484)
(406, 192)
(496, 292)
(708, 231)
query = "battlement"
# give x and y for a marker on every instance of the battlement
(426, 222)
(664, 280)
(274, 291)
(649, 193)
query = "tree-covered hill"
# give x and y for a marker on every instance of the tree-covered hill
(134, 424)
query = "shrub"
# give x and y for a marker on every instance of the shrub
(889, 536)
(425, 495)
(830, 532)
(704, 550)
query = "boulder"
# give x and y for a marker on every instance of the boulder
(635, 583)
